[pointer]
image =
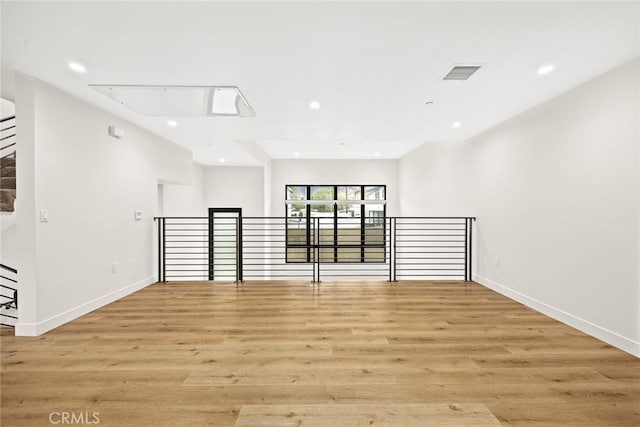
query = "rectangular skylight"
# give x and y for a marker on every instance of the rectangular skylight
(228, 101)
(180, 101)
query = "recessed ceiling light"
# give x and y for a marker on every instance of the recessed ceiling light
(314, 105)
(296, 154)
(456, 124)
(546, 69)
(77, 67)
(221, 160)
(376, 154)
(172, 123)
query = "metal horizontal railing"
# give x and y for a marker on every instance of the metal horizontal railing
(296, 248)
(8, 295)
(7, 136)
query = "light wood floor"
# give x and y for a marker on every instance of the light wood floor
(346, 354)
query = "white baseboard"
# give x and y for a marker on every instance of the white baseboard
(35, 329)
(596, 331)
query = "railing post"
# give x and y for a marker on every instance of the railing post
(466, 249)
(390, 248)
(314, 245)
(159, 249)
(395, 249)
(164, 250)
(239, 275)
(311, 239)
(236, 254)
(210, 247)
(471, 249)
(318, 247)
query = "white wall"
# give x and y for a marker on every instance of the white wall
(558, 205)
(268, 190)
(185, 199)
(235, 187)
(373, 172)
(7, 82)
(437, 179)
(91, 185)
(259, 190)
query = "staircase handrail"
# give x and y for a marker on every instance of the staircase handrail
(6, 267)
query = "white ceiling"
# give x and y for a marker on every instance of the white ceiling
(371, 66)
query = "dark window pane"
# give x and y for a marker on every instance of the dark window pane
(296, 192)
(321, 193)
(374, 215)
(296, 210)
(374, 193)
(349, 210)
(297, 240)
(322, 210)
(354, 193)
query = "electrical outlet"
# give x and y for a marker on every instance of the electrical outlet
(114, 267)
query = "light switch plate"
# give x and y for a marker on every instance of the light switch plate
(44, 215)
(137, 215)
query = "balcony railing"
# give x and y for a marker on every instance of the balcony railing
(295, 248)
(8, 295)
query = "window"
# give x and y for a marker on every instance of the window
(346, 222)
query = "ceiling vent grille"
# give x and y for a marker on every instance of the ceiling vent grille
(461, 72)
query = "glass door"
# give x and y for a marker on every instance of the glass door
(225, 248)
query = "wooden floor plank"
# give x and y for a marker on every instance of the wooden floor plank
(294, 376)
(346, 353)
(475, 415)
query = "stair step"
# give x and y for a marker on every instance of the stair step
(5, 207)
(8, 162)
(7, 199)
(8, 183)
(7, 195)
(8, 171)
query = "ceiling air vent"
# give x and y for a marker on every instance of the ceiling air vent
(461, 72)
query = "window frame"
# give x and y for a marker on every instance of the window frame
(336, 246)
